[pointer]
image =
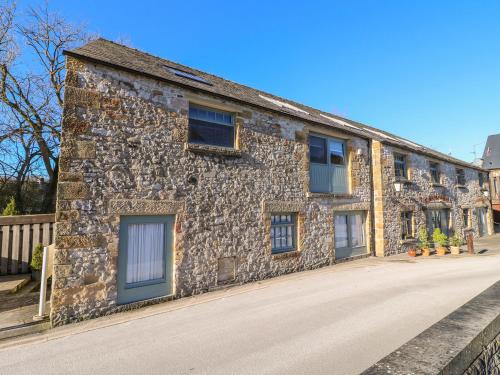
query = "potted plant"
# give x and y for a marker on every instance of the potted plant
(440, 241)
(36, 263)
(423, 242)
(455, 243)
(412, 252)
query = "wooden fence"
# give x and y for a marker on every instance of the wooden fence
(18, 237)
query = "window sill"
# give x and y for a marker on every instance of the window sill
(408, 241)
(285, 255)
(403, 180)
(437, 185)
(330, 195)
(458, 186)
(212, 150)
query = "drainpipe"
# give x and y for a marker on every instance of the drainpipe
(43, 286)
(372, 201)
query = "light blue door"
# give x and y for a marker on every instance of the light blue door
(145, 258)
(350, 236)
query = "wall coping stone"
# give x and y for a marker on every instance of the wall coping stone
(451, 345)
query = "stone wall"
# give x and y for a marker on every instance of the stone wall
(124, 152)
(495, 196)
(467, 341)
(420, 194)
(488, 362)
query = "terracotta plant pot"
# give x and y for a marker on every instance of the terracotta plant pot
(426, 252)
(455, 250)
(412, 252)
(441, 251)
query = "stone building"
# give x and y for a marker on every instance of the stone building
(491, 162)
(174, 182)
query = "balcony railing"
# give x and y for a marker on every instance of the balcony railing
(328, 179)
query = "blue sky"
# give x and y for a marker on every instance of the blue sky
(425, 70)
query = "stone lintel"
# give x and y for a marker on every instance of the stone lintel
(144, 207)
(355, 206)
(282, 206)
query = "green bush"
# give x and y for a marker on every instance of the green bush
(439, 237)
(423, 239)
(456, 240)
(10, 209)
(37, 258)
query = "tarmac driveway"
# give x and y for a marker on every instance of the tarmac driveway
(336, 320)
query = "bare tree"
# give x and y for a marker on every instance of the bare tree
(32, 90)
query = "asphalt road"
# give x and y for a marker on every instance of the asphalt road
(336, 320)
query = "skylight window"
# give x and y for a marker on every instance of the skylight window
(184, 74)
(283, 104)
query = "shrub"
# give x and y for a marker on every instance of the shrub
(37, 258)
(456, 240)
(10, 209)
(439, 237)
(423, 239)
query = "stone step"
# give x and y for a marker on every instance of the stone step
(11, 284)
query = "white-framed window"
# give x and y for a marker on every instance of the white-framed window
(283, 232)
(211, 126)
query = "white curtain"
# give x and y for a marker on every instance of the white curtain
(341, 231)
(357, 235)
(145, 252)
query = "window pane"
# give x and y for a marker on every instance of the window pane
(210, 133)
(282, 233)
(144, 252)
(341, 231)
(317, 150)
(399, 165)
(206, 114)
(434, 167)
(406, 225)
(357, 235)
(336, 150)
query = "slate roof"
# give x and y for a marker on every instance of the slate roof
(121, 57)
(491, 154)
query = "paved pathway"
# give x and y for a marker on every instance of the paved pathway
(336, 320)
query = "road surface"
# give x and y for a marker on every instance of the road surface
(335, 320)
